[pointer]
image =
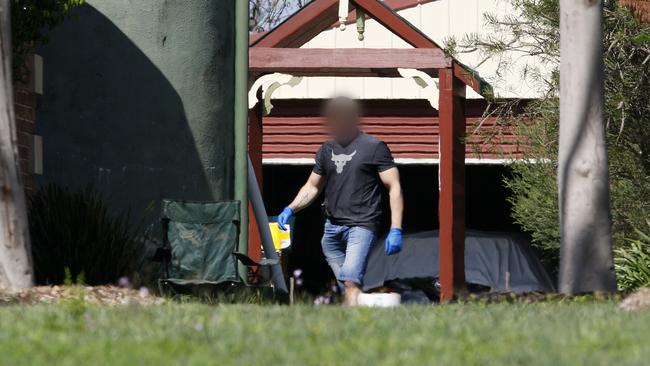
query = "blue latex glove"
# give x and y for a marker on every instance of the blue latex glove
(393, 241)
(283, 218)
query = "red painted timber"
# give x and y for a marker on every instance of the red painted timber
(300, 148)
(319, 14)
(320, 138)
(287, 130)
(468, 77)
(345, 62)
(403, 156)
(451, 209)
(300, 137)
(395, 23)
(383, 108)
(297, 122)
(255, 137)
(473, 142)
(304, 25)
(307, 150)
(388, 121)
(396, 5)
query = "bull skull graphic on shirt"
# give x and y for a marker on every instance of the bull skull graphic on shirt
(340, 160)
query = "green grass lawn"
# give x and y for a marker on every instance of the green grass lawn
(565, 333)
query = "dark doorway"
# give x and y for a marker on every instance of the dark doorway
(487, 209)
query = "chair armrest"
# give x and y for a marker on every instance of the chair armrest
(268, 262)
(162, 254)
(248, 261)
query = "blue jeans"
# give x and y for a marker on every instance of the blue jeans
(346, 249)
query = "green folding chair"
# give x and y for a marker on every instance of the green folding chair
(199, 245)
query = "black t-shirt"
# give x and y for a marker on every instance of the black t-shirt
(353, 189)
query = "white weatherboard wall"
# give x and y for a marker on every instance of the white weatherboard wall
(439, 20)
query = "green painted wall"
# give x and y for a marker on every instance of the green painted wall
(138, 101)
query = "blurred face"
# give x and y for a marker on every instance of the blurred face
(342, 119)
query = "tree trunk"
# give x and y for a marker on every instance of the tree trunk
(586, 263)
(15, 259)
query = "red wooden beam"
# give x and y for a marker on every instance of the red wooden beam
(396, 124)
(399, 26)
(318, 16)
(451, 209)
(304, 25)
(397, 155)
(470, 78)
(255, 136)
(395, 23)
(345, 62)
(313, 147)
(379, 109)
(396, 5)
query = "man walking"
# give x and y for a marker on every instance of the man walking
(351, 168)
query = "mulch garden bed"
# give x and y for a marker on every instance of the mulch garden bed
(98, 295)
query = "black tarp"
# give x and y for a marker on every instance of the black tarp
(489, 257)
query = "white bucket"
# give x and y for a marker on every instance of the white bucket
(380, 300)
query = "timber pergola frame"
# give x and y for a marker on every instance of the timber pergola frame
(278, 51)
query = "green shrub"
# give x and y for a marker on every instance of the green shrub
(75, 232)
(633, 263)
(531, 32)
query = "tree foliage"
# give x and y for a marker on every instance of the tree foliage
(30, 21)
(529, 37)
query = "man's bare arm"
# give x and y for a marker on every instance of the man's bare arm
(390, 178)
(308, 192)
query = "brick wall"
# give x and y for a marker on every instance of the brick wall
(25, 110)
(25, 96)
(640, 7)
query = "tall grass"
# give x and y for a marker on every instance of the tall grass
(76, 231)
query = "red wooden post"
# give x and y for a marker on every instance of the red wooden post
(451, 208)
(255, 152)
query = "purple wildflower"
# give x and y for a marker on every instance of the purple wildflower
(144, 292)
(124, 282)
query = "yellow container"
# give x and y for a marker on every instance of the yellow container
(281, 239)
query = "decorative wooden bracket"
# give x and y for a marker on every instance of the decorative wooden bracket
(344, 9)
(432, 91)
(426, 82)
(269, 84)
(361, 23)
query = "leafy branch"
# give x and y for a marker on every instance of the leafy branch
(30, 22)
